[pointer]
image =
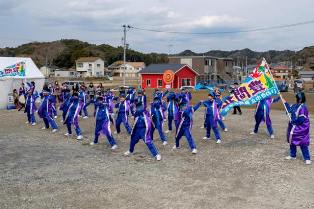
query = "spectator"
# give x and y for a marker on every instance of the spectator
(16, 99)
(236, 108)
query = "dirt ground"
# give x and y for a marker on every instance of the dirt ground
(39, 169)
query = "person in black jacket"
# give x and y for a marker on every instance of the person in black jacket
(236, 108)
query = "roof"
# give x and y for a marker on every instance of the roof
(198, 56)
(192, 56)
(88, 59)
(133, 64)
(306, 73)
(66, 70)
(161, 68)
(31, 70)
(136, 64)
(280, 67)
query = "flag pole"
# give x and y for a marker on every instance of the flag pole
(278, 91)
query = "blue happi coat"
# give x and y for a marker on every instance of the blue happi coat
(30, 105)
(101, 112)
(156, 111)
(45, 108)
(123, 109)
(142, 123)
(172, 105)
(74, 110)
(186, 116)
(211, 110)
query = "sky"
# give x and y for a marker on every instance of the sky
(100, 21)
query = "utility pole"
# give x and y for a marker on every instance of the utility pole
(246, 66)
(124, 51)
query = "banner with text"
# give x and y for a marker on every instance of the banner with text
(17, 69)
(257, 86)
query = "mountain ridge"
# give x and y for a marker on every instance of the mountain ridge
(63, 53)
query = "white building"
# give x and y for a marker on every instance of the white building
(306, 75)
(66, 73)
(130, 69)
(90, 66)
(48, 71)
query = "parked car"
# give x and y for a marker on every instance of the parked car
(187, 87)
(107, 77)
(70, 84)
(120, 88)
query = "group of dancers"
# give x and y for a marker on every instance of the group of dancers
(170, 106)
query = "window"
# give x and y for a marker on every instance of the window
(159, 83)
(186, 82)
(90, 65)
(80, 65)
(148, 82)
(226, 63)
(98, 65)
(208, 62)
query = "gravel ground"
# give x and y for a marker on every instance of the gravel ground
(39, 169)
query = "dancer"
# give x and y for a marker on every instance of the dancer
(211, 117)
(298, 132)
(109, 97)
(262, 114)
(172, 110)
(30, 107)
(72, 116)
(83, 98)
(219, 103)
(141, 97)
(64, 107)
(122, 114)
(45, 111)
(103, 123)
(141, 130)
(185, 124)
(53, 100)
(157, 119)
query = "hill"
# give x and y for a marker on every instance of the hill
(63, 53)
(252, 56)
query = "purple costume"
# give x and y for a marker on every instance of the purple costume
(262, 113)
(142, 130)
(298, 133)
(72, 115)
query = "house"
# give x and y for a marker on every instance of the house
(306, 75)
(152, 76)
(130, 69)
(48, 71)
(66, 73)
(209, 68)
(281, 72)
(90, 66)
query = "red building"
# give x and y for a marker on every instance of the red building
(152, 76)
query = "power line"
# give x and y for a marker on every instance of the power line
(226, 32)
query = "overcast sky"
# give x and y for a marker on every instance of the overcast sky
(100, 21)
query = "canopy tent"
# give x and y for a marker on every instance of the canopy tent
(8, 83)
